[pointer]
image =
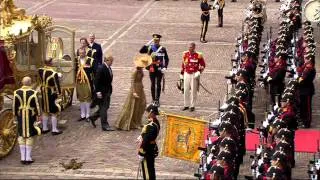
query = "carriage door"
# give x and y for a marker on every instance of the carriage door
(60, 47)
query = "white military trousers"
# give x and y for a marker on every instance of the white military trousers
(190, 89)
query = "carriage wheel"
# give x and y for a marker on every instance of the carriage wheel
(8, 132)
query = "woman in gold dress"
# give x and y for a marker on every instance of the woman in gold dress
(134, 107)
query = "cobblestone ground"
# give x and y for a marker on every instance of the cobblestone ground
(122, 27)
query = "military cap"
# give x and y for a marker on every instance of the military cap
(288, 97)
(274, 172)
(279, 156)
(152, 108)
(233, 118)
(241, 94)
(234, 100)
(156, 36)
(228, 142)
(310, 55)
(280, 47)
(311, 45)
(242, 72)
(232, 110)
(288, 90)
(292, 83)
(226, 156)
(279, 124)
(307, 23)
(308, 28)
(241, 86)
(226, 126)
(217, 170)
(307, 31)
(284, 133)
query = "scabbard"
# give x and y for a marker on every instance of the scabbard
(163, 83)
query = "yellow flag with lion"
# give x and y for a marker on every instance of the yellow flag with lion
(183, 136)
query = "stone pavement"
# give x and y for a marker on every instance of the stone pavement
(122, 27)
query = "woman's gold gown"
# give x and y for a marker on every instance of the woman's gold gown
(133, 108)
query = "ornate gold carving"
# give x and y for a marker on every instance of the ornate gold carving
(41, 22)
(8, 132)
(9, 12)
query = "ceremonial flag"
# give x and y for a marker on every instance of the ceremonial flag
(183, 136)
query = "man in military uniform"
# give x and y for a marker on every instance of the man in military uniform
(306, 90)
(192, 66)
(157, 69)
(219, 5)
(26, 111)
(276, 77)
(148, 150)
(50, 90)
(205, 18)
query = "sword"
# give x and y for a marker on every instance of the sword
(203, 87)
(163, 83)
(139, 170)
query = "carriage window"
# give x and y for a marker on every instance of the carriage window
(35, 51)
(21, 49)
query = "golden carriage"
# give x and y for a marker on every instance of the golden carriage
(28, 41)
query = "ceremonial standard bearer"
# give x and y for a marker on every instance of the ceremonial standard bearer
(148, 150)
(306, 90)
(192, 66)
(50, 90)
(26, 110)
(157, 69)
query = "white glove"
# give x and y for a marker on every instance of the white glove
(59, 75)
(258, 151)
(261, 84)
(275, 107)
(181, 76)
(260, 162)
(216, 6)
(141, 158)
(296, 76)
(197, 74)
(264, 75)
(99, 95)
(269, 79)
(265, 124)
(163, 70)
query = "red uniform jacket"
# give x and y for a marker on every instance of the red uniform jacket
(192, 62)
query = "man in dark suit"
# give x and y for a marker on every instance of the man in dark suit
(103, 85)
(95, 46)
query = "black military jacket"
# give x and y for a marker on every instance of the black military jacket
(149, 135)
